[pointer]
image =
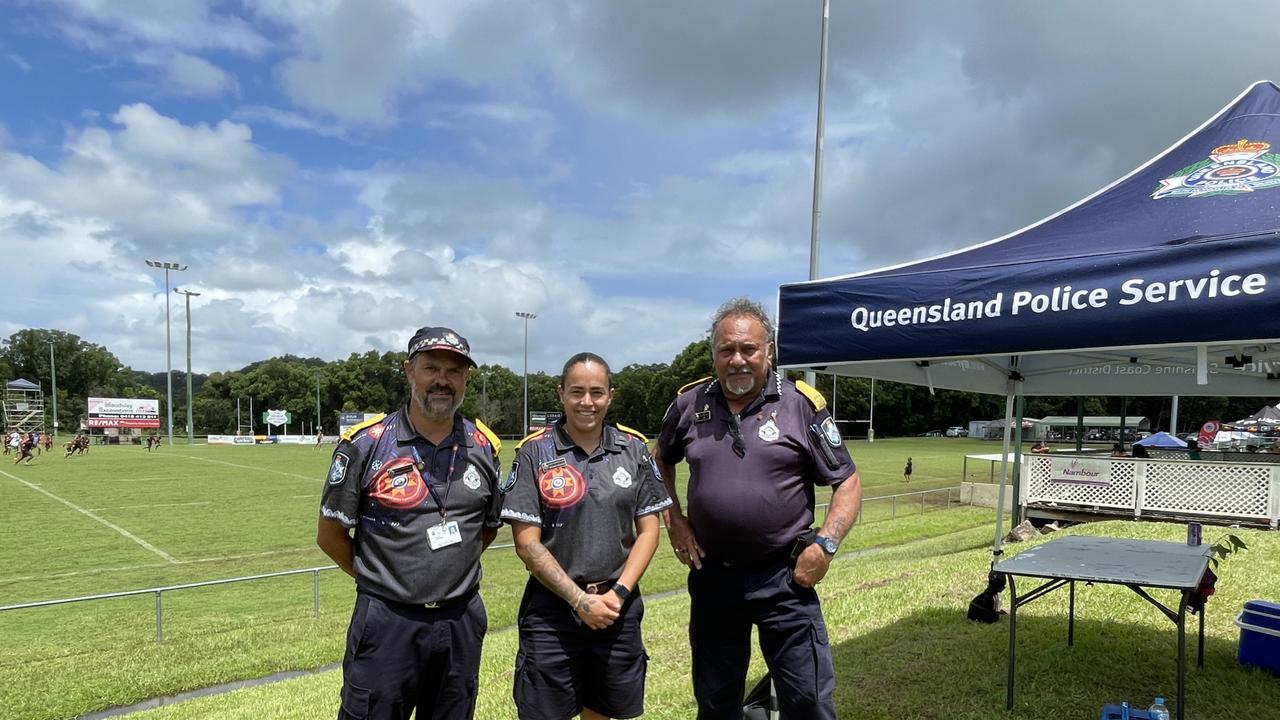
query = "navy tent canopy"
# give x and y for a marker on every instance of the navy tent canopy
(1166, 282)
(21, 384)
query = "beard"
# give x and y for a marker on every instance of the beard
(740, 383)
(437, 408)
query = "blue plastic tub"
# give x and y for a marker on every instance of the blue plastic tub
(1259, 625)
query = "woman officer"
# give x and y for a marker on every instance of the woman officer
(583, 500)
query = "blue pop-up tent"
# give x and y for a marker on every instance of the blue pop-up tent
(1161, 440)
(1166, 282)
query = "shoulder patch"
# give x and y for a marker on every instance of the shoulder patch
(685, 388)
(531, 436)
(351, 431)
(815, 398)
(494, 442)
(634, 432)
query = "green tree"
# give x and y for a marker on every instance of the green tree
(84, 370)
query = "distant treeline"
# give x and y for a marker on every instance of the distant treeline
(373, 382)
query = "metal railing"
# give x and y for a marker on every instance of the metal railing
(158, 592)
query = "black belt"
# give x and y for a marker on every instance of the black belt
(787, 554)
(599, 587)
(437, 605)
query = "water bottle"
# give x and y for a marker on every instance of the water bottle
(1158, 711)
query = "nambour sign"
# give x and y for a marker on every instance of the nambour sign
(277, 417)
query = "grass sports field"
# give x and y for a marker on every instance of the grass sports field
(122, 519)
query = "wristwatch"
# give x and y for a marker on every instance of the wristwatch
(828, 545)
(621, 591)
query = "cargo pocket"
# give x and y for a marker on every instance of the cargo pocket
(355, 702)
(359, 622)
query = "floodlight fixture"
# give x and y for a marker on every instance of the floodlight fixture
(168, 355)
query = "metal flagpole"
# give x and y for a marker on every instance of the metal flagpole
(809, 376)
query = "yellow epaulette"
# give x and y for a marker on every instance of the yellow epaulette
(531, 436)
(351, 431)
(493, 439)
(636, 433)
(815, 397)
(685, 388)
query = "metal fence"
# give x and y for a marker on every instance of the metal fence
(874, 509)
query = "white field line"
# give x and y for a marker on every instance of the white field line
(89, 514)
(156, 505)
(125, 568)
(255, 469)
(142, 479)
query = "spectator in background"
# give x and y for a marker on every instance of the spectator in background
(1140, 451)
(1040, 447)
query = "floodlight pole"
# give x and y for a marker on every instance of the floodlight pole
(526, 316)
(190, 427)
(319, 427)
(53, 376)
(168, 355)
(809, 376)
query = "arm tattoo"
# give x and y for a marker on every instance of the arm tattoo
(543, 565)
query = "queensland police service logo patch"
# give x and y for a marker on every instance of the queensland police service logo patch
(338, 470)
(1240, 167)
(471, 478)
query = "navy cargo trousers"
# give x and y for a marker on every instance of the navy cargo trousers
(725, 601)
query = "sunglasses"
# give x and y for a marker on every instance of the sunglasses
(735, 432)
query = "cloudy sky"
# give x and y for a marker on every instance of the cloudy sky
(337, 173)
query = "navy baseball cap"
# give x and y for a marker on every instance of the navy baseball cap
(440, 338)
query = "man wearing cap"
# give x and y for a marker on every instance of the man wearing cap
(756, 445)
(420, 489)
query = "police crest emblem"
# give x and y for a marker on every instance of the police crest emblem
(338, 470)
(831, 433)
(622, 478)
(1231, 169)
(471, 478)
(768, 431)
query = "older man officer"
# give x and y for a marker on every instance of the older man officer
(756, 445)
(420, 489)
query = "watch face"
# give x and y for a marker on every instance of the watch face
(828, 545)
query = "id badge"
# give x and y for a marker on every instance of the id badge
(444, 535)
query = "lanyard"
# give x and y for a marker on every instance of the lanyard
(448, 478)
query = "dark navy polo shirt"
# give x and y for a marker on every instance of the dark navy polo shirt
(586, 504)
(744, 507)
(380, 483)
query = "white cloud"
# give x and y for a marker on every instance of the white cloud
(190, 75)
(170, 23)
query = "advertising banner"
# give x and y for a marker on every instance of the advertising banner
(123, 413)
(348, 420)
(1081, 471)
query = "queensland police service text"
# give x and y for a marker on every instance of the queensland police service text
(1064, 298)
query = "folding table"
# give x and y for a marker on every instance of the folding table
(1136, 564)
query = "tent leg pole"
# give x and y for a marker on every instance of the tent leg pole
(1004, 472)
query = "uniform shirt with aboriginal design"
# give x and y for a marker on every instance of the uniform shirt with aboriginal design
(378, 484)
(586, 504)
(752, 495)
